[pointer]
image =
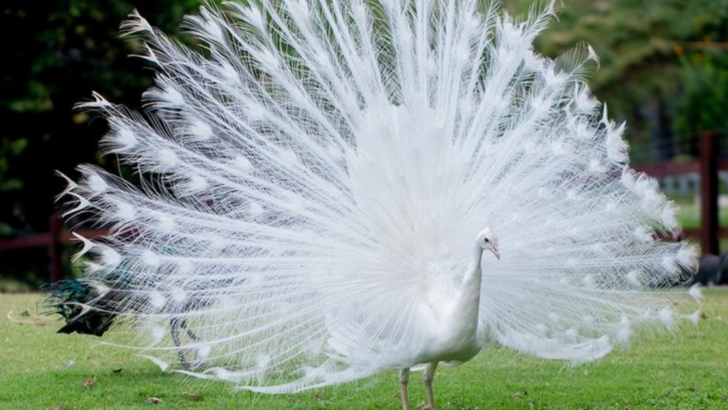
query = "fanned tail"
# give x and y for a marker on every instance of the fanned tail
(312, 185)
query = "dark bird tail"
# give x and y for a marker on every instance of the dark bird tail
(81, 303)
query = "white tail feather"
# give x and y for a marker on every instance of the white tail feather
(319, 180)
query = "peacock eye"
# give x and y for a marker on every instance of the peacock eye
(487, 240)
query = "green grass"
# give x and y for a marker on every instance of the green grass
(689, 214)
(684, 370)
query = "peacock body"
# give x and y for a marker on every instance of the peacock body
(327, 185)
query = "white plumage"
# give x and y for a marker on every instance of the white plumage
(321, 182)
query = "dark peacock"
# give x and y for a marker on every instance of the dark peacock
(91, 307)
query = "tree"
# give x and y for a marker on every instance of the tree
(55, 54)
(641, 46)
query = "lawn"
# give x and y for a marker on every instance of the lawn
(688, 369)
(688, 214)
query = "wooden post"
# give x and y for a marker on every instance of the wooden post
(56, 245)
(709, 193)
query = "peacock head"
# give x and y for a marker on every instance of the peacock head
(488, 241)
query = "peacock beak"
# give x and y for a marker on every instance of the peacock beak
(496, 253)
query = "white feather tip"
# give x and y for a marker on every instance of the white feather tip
(98, 103)
(163, 366)
(696, 292)
(70, 185)
(135, 24)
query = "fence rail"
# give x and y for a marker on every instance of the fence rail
(707, 166)
(55, 239)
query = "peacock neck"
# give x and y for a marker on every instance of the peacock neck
(468, 303)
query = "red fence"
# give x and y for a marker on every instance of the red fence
(55, 240)
(707, 166)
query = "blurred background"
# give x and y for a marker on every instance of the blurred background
(664, 69)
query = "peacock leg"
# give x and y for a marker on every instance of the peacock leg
(403, 381)
(429, 375)
(191, 335)
(189, 331)
(174, 330)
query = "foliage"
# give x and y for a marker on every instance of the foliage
(10, 150)
(636, 41)
(642, 47)
(703, 85)
(685, 370)
(56, 53)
